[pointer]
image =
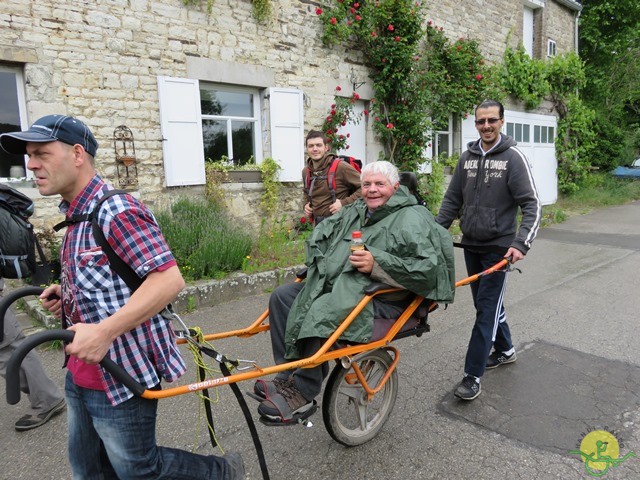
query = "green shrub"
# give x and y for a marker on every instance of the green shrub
(203, 238)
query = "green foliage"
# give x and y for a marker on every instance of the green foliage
(269, 200)
(610, 46)
(204, 240)
(525, 77)
(339, 114)
(277, 246)
(419, 77)
(574, 144)
(261, 10)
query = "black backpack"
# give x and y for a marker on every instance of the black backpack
(17, 239)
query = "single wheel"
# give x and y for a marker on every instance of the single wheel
(348, 416)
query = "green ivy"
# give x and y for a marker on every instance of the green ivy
(419, 77)
(269, 200)
(525, 77)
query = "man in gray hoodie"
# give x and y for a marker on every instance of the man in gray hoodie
(491, 180)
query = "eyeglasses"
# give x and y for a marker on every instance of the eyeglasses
(490, 121)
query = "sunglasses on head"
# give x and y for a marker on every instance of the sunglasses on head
(490, 121)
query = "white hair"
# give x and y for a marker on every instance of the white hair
(387, 169)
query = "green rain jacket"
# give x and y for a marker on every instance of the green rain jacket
(404, 240)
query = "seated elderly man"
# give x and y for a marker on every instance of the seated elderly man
(404, 247)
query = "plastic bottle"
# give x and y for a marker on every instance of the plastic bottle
(356, 241)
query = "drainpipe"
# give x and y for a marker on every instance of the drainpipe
(576, 22)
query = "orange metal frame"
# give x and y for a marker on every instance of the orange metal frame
(321, 356)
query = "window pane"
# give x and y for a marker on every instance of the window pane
(242, 135)
(443, 143)
(543, 137)
(214, 134)
(518, 132)
(510, 129)
(9, 120)
(525, 133)
(536, 134)
(209, 103)
(551, 135)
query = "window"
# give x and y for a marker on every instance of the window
(543, 134)
(12, 118)
(520, 132)
(216, 120)
(441, 144)
(230, 123)
(551, 48)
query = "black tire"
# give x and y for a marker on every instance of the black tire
(348, 417)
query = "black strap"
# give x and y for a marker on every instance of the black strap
(123, 269)
(250, 423)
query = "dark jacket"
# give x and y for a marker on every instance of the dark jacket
(405, 242)
(485, 193)
(347, 185)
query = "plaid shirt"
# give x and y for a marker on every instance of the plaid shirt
(91, 291)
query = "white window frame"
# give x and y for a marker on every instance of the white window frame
(551, 48)
(255, 118)
(22, 107)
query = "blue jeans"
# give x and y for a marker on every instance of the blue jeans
(490, 328)
(107, 442)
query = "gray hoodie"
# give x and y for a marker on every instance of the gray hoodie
(485, 193)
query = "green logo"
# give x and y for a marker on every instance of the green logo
(600, 450)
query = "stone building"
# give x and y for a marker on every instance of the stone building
(192, 85)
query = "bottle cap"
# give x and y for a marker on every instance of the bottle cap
(356, 234)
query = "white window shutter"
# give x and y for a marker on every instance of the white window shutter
(181, 123)
(287, 132)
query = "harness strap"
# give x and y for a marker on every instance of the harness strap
(222, 360)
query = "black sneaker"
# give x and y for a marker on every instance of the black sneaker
(468, 389)
(34, 421)
(498, 358)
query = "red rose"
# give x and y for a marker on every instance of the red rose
(333, 112)
(478, 77)
(366, 112)
(338, 88)
(352, 10)
(397, 39)
(390, 28)
(358, 18)
(374, 34)
(303, 219)
(389, 126)
(357, 5)
(318, 11)
(356, 96)
(333, 20)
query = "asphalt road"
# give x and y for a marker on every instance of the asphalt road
(573, 311)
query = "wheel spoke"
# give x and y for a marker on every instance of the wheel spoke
(353, 392)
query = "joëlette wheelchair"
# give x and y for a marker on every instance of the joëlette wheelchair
(360, 392)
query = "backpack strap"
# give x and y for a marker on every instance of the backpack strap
(331, 177)
(122, 268)
(124, 271)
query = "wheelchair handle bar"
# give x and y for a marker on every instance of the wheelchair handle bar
(7, 300)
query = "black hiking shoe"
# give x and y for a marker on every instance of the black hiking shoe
(268, 388)
(468, 389)
(498, 358)
(286, 406)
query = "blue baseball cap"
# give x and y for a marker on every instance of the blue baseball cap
(62, 128)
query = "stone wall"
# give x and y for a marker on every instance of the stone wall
(100, 61)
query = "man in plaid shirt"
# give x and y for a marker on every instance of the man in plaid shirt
(111, 432)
